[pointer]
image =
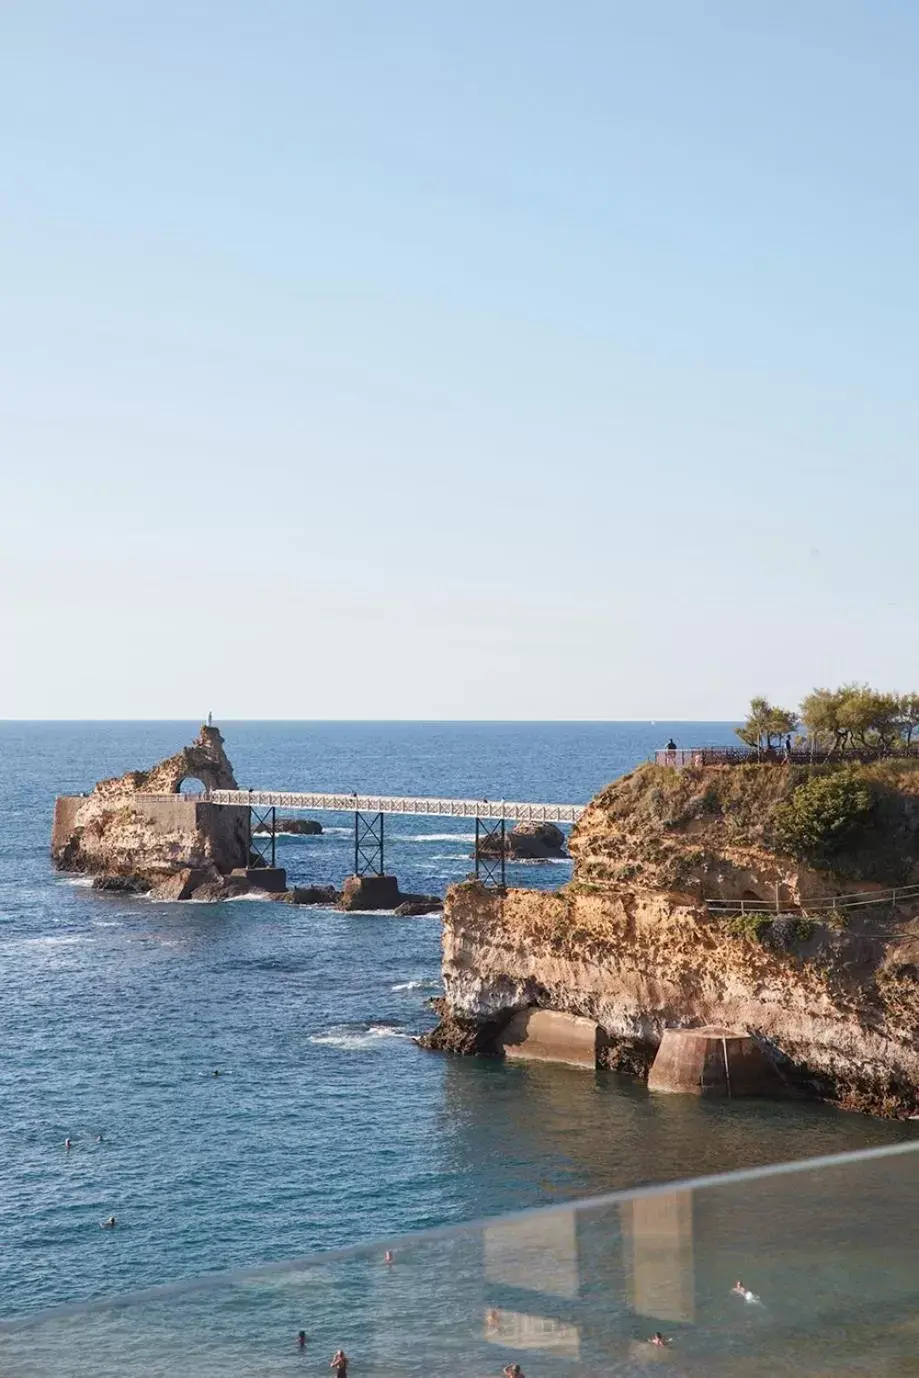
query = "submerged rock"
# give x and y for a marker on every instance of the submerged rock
(325, 895)
(413, 905)
(122, 885)
(302, 827)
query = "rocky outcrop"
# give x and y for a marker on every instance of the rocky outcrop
(833, 999)
(139, 825)
(527, 842)
(294, 827)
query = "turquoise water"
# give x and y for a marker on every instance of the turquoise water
(327, 1124)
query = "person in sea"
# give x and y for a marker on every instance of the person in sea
(658, 1339)
(743, 1291)
(389, 1256)
(68, 1144)
(301, 1339)
(513, 1371)
(108, 1224)
(340, 1363)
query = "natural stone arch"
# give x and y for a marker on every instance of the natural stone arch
(191, 785)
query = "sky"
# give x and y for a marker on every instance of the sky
(438, 360)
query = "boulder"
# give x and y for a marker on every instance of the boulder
(325, 895)
(122, 885)
(527, 842)
(413, 905)
(182, 884)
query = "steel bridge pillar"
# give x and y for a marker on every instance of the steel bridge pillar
(263, 844)
(489, 869)
(368, 844)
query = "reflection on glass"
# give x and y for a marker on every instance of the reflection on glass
(657, 1239)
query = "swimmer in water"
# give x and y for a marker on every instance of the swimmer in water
(658, 1339)
(99, 1139)
(743, 1291)
(388, 1257)
(301, 1339)
(68, 1144)
(513, 1371)
(216, 1071)
(340, 1363)
(108, 1224)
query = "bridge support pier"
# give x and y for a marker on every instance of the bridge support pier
(490, 859)
(368, 844)
(263, 844)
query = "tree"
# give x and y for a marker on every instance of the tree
(908, 716)
(820, 714)
(765, 721)
(870, 718)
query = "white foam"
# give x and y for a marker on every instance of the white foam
(356, 1041)
(433, 837)
(81, 882)
(416, 985)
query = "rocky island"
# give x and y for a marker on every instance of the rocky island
(138, 833)
(769, 899)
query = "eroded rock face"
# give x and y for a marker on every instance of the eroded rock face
(631, 945)
(139, 825)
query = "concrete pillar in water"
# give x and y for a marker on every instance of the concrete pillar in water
(370, 892)
(534, 1035)
(713, 1062)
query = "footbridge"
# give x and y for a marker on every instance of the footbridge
(369, 811)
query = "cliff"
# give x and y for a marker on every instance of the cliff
(632, 944)
(139, 825)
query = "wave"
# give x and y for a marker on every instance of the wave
(81, 882)
(432, 837)
(53, 940)
(357, 1040)
(416, 985)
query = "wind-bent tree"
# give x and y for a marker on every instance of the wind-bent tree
(765, 722)
(857, 715)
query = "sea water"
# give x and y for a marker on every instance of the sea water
(327, 1124)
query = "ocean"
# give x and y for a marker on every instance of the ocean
(327, 1125)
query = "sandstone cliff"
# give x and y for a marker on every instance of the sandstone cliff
(631, 944)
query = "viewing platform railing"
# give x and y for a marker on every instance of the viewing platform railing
(798, 756)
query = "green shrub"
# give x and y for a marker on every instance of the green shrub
(753, 925)
(823, 816)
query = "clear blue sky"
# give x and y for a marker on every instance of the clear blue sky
(456, 360)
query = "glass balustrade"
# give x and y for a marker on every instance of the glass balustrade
(827, 1252)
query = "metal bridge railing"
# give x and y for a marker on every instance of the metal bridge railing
(523, 812)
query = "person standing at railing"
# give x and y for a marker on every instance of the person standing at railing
(671, 745)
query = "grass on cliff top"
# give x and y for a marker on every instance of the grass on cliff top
(858, 821)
